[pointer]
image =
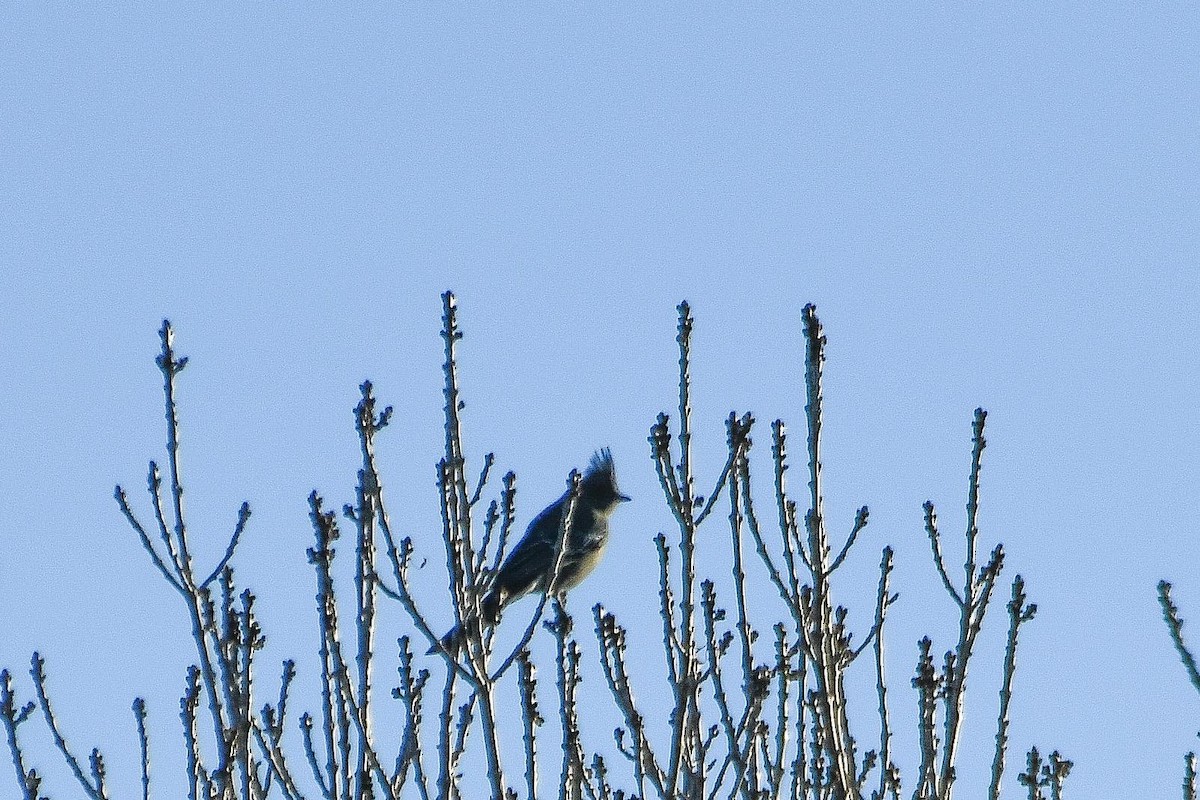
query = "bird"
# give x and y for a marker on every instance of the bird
(530, 565)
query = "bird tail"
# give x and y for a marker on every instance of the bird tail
(453, 641)
(491, 607)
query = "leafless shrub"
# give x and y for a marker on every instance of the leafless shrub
(756, 686)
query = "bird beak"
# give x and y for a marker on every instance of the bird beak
(624, 498)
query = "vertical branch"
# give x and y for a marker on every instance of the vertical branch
(800, 761)
(335, 721)
(457, 498)
(172, 366)
(783, 677)
(250, 640)
(485, 693)
(820, 778)
(978, 442)
(823, 642)
(198, 783)
(508, 513)
(462, 602)
(461, 560)
(685, 762)
(139, 713)
(462, 729)
(531, 719)
(685, 507)
(1059, 769)
(672, 650)
(928, 684)
(686, 482)
(12, 718)
(888, 775)
(976, 594)
(448, 755)
(1030, 777)
(367, 424)
(572, 776)
(715, 649)
(793, 547)
(1018, 614)
(411, 694)
(204, 634)
(739, 444)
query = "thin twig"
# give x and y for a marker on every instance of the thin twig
(935, 543)
(12, 718)
(1018, 614)
(139, 713)
(1175, 626)
(94, 788)
(860, 522)
(243, 517)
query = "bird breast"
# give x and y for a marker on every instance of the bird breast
(587, 562)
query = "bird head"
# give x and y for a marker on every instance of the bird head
(600, 482)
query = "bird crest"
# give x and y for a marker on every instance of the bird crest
(601, 476)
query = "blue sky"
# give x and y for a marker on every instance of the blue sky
(990, 206)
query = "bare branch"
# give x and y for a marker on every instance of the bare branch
(95, 787)
(1175, 626)
(12, 718)
(935, 543)
(243, 517)
(860, 522)
(123, 502)
(139, 713)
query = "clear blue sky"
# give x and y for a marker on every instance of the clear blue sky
(991, 207)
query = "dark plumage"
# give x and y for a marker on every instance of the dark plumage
(530, 564)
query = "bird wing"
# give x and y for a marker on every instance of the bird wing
(527, 564)
(525, 567)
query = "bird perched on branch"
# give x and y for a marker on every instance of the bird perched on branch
(530, 565)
